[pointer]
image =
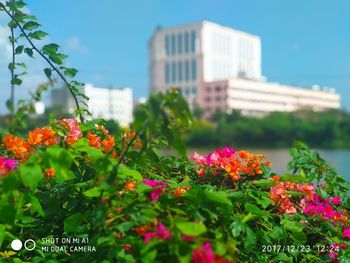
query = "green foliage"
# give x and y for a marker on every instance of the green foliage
(318, 129)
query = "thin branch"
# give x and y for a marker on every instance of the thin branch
(122, 157)
(46, 59)
(12, 98)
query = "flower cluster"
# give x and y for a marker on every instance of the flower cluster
(158, 230)
(279, 194)
(231, 162)
(325, 209)
(205, 254)
(44, 136)
(7, 165)
(159, 187)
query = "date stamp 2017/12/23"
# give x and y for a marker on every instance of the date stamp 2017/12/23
(298, 248)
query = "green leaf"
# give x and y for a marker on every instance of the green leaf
(256, 210)
(295, 178)
(2, 234)
(38, 35)
(72, 223)
(19, 49)
(31, 173)
(282, 257)
(70, 72)
(263, 182)
(191, 229)
(292, 226)
(237, 228)
(16, 81)
(7, 214)
(48, 72)
(31, 25)
(93, 192)
(28, 51)
(219, 197)
(36, 205)
(125, 173)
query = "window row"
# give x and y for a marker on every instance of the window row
(180, 71)
(187, 91)
(177, 44)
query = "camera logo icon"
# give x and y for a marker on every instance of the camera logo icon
(17, 244)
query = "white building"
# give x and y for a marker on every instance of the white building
(260, 98)
(196, 57)
(107, 103)
(188, 55)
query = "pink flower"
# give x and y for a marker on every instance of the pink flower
(336, 200)
(203, 254)
(161, 232)
(74, 129)
(7, 165)
(198, 159)
(346, 232)
(156, 193)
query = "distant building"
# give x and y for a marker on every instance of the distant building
(189, 55)
(259, 98)
(107, 103)
(217, 66)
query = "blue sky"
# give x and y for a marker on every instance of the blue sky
(303, 42)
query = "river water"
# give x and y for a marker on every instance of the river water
(279, 158)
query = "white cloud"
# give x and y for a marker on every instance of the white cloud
(75, 44)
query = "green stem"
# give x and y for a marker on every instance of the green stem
(46, 59)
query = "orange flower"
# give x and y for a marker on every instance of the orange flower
(138, 144)
(181, 191)
(44, 136)
(49, 173)
(276, 178)
(108, 143)
(94, 140)
(17, 145)
(130, 185)
(141, 230)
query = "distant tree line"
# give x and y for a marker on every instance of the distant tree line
(329, 129)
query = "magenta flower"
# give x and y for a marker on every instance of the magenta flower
(203, 254)
(346, 232)
(7, 165)
(161, 232)
(156, 193)
(227, 152)
(336, 200)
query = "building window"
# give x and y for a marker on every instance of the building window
(194, 69)
(193, 41)
(187, 42)
(166, 45)
(173, 44)
(179, 43)
(218, 99)
(187, 91)
(179, 71)
(167, 73)
(218, 88)
(187, 70)
(173, 72)
(208, 89)
(194, 90)
(208, 99)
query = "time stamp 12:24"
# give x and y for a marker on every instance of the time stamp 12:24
(298, 248)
